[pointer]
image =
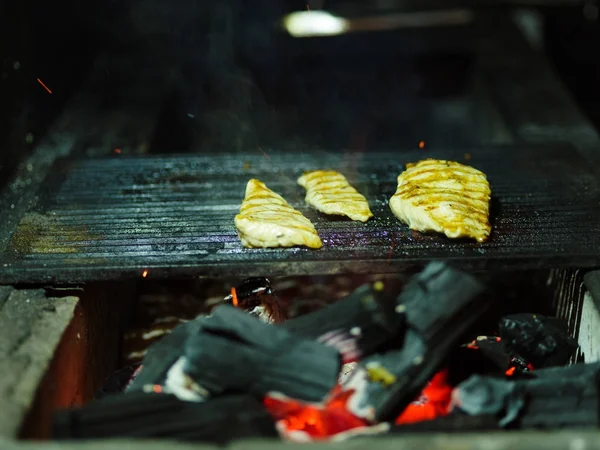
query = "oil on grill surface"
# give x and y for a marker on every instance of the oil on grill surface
(118, 217)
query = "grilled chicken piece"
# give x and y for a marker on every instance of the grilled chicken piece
(329, 192)
(267, 220)
(444, 196)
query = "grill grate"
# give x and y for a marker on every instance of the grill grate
(173, 216)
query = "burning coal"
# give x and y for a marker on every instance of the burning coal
(370, 363)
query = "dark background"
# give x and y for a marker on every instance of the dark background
(207, 50)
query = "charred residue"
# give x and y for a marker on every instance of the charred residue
(43, 234)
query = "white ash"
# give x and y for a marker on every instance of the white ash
(182, 386)
(346, 371)
(262, 313)
(358, 381)
(168, 319)
(297, 436)
(355, 331)
(155, 333)
(362, 431)
(137, 355)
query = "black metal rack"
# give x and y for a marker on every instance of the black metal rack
(173, 215)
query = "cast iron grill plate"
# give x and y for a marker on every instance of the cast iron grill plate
(173, 216)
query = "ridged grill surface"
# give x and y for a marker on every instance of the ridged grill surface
(173, 216)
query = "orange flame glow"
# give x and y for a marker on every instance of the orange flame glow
(234, 299)
(433, 402)
(318, 421)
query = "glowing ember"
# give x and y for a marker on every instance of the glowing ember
(433, 402)
(296, 419)
(316, 421)
(144, 274)
(422, 144)
(515, 364)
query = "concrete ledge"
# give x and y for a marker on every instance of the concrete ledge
(31, 327)
(528, 440)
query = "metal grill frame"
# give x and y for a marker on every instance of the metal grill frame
(114, 218)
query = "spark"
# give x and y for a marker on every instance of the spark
(422, 144)
(118, 151)
(234, 299)
(144, 274)
(44, 86)
(264, 153)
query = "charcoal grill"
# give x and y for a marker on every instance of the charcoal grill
(80, 213)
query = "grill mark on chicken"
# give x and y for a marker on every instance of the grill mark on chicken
(431, 187)
(267, 220)
(443, 196)
(328, 191)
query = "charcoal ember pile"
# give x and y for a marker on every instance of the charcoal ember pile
(371, 363)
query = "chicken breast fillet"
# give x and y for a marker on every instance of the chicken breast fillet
(267, 220)
(329, 192)
(444, 196)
